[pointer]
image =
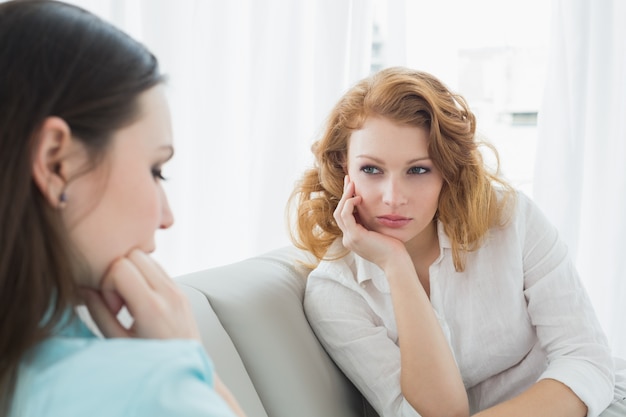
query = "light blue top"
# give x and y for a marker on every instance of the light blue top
(76, 373)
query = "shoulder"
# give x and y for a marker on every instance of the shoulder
(343, 284)
(343, 268)
(135, 356)
(114, 376)
(337, 266)
(519, 210)
(522, 224)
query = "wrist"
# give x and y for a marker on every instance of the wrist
(397, 265)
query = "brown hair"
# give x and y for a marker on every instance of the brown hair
(55, 60)
(467, 206)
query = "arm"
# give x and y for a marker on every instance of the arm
(430, 379)
(184, 384)
(546, 398)
(160, 311)
(579, 378)
(225, 393)
(357, 338)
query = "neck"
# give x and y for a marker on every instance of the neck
(424, 248)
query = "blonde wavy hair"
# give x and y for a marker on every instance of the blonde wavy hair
(468, 206)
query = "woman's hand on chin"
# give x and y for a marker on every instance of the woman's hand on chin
(156, 304)
(373, 246)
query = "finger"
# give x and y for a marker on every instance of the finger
(337, 214)
(126, 280)
(113, 301)
(345, 214)
(151, 271)
(343, 193)
(348, 208)
(346, 218)
(103, 317)
(347, 193)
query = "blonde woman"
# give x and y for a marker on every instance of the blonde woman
(440, 290)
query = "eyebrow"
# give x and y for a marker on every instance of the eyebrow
(378, 161)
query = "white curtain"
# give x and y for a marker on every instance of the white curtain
(250, 84)
(580, 174)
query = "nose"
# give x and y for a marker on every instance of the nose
(394, 194)
(167, 217)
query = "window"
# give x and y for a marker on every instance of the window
(491, 52)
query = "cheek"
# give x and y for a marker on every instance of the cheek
(368, 185)
(134, 213)
(431, 197)
(368, 193)
(148, 208)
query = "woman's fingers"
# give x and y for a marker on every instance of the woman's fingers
(102, 315)
(125, 279)
(158, 307)
(152, 272)
(345, 214)
(340, 205)
(345, 207)
(113, 301)
(368, 244)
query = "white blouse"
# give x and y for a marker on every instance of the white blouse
(517, 314)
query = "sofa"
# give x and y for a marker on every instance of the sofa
(253, 327)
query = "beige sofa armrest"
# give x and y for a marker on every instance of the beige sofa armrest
(223, 353)
(261, 342)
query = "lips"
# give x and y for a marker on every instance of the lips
(393, 221)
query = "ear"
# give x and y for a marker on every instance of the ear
(53, 143)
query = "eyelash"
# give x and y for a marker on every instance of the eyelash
(421, 170)
(368, 169)
(157, 173)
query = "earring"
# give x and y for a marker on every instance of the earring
(62, 200)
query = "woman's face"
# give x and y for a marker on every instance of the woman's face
(119, 205)
(395, 177)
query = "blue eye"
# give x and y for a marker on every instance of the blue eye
(158, 174)
(368, 169)
(418, 170)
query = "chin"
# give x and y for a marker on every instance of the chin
(399, 235)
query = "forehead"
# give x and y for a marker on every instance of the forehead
(380, 136)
